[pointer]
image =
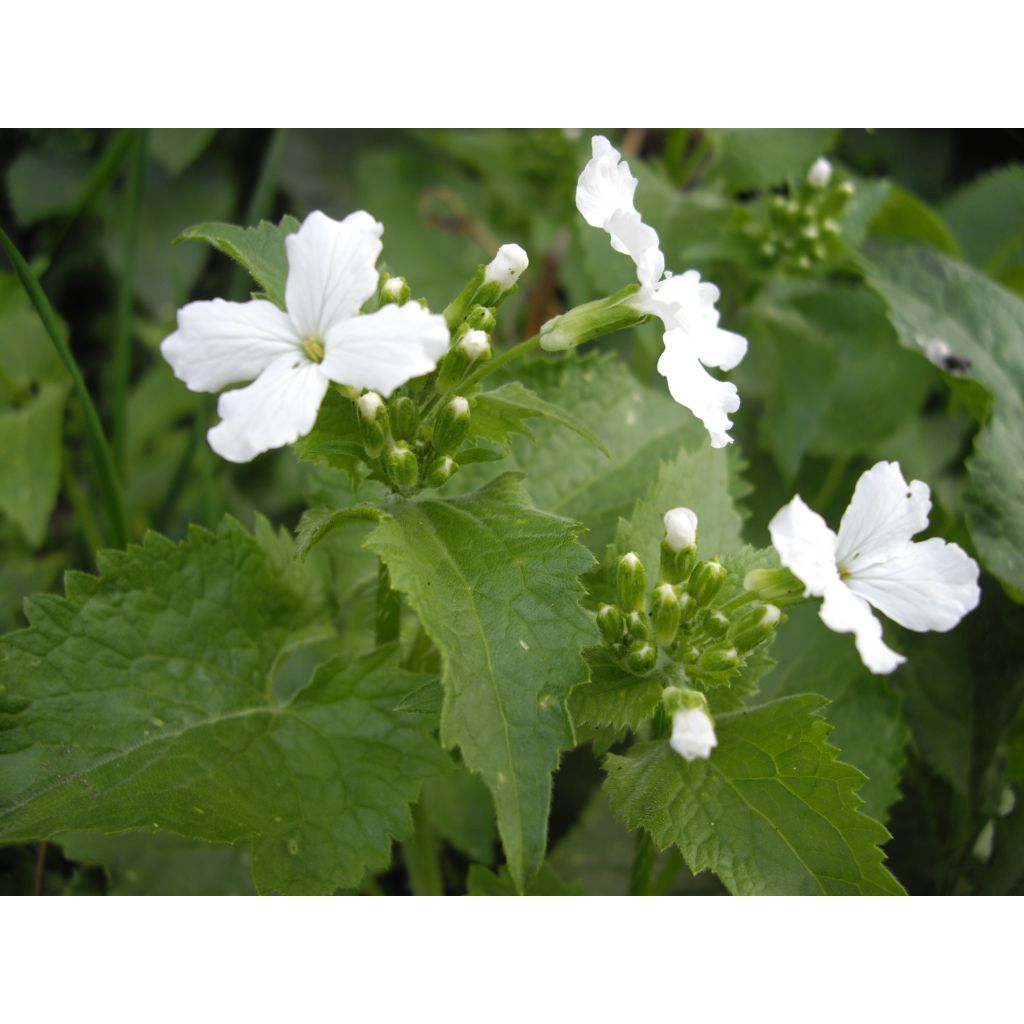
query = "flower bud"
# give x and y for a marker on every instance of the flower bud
(402, 465)
(451, 425)
(502, 274)
(642, 659)
(706, 580)
(687, 609)
(755, 626)
(592, 320)
(395, 291)
(631, 582)
(405, 418)
(779, 586)
(472, 347)
(638, 626)
(441, 470)
(373, 422)
(609, 621)
(693, 734)
(480, 318)
(820, 173)
(716, 625)
(666, 613)
(680, 528)
(719, 659)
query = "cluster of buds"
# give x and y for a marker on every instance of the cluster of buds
(682, 616)
(803, 228)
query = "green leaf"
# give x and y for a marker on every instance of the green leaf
(177, 148)
(864, 708)
(931, 296)
(163, 864)
(495, 585)
(613, 697)
(260, 250)
(500, 413)
(482, 882)
(749, 158)
(988, 217)
(316, 523)
(598, 852)
(905, 218)
(337, 424)
(770, 812)
(460, 808)
(147, 698)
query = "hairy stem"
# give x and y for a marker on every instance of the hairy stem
(421, 857)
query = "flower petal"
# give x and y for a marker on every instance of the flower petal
(276, 409)
(845, 612)
(710, 400)
(331, 270)
(927, 586)
(884, 513)
(220, 343)
(630, 235)
(806, 546)
(605, 186)
(383, 350)
(693, 734)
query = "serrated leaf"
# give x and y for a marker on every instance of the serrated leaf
(460, 808)
(931, 296)
(495, 585)
(864, 708)
(482, 882)
(316, 523)
(504, 411)
(770, 812)
(260, 250)
(612, 696)
(146, 699)
(336, 427)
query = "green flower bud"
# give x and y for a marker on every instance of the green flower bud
(471, 348)
(405, 418)
(666, 613)
(481, 318)
(716, 624)
(395, 291)
(755, 626)
(779, 586)
(373, 422)
(441, 470)
(402, 465)
(451, 425)
(719, 659)
(706, 580)
(687, 608)
(638, 626)
(609, 621)
(502, 274)
(682, 698)
(642, 659)
(631, 581)
(592, 320)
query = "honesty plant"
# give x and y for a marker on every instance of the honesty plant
(509, 554)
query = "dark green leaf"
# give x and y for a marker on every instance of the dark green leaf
(482, 882)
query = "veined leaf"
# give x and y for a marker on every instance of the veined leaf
(482, 882)
(771, 811)
(146, 699)
(613, 697)
(495, 585)
(260, 250)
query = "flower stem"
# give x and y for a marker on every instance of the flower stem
(106, 470)
(421, 857)
(644, 860)
(498, 361)
(389, 608)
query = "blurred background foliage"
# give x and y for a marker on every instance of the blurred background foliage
(843, 370)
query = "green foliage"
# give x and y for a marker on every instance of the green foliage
(482, 882)
(772, 811)
(748, 158)
(905, 218)
(613, 697)
(494, 583)
(146, 698)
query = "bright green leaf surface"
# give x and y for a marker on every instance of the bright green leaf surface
(770, 812)
(146, 698)
(495, 585)
(460, 808)
(613, 697)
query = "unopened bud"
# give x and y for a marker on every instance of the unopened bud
(481, 318)
(441, 470)
(402, 465)
(719, 659)
(631, 582)
(642, 659)
(755, 626)
(680, 528)
(502, 274)
(687, 609)
(471, 348)
(706, 580)
(779, 586)
(716, 625)
(592, 320)
(451, 425)
(638, 626)
(373, 422)
(820, 173)
(666, 613)
(405, 418)
(395, 290)
(609, 621)
(676, 566)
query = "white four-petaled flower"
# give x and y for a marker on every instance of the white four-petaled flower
(292, 355)
(684, 303)
(923, 586)
(693, 734)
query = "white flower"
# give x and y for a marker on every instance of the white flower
(680, 528)
(693, 734)
(292, 355)
(923, 586)
(820, 173)
(685, 304)
(507, 266)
